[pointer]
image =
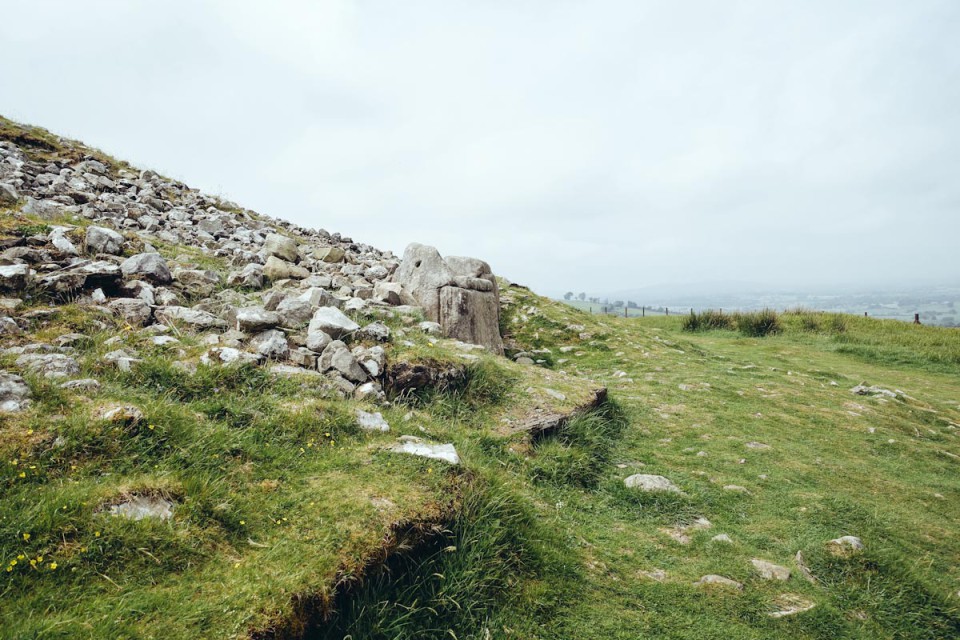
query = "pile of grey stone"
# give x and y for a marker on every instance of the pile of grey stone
(257, 289)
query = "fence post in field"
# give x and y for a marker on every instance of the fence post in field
(643, 312)
(666, 311)
(916, 318)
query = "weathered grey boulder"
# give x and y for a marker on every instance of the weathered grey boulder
(199, 282)
(14, 277)
(49, 365)
(277, 269)
(271, 344)
(329, 254)
(648, 482)
(8, 195)
(424, 273)
(281, 246)
(150, 266)
(371, 421)
(250, 276)
(255, 319)
(376, 331)
(230, 355)
(195, 318)
(471, 316)
(14, 393)
(62, 243)
(294, 312)
(458, 293)
(102, 240)
(332, 321)
(134, 311)
(317, 341)
(84, 276)
(338, 357)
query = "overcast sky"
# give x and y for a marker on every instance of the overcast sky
(594, 146)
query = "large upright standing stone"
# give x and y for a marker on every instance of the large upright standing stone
(458, 293)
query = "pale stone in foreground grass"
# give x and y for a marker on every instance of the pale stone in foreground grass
(649, 482)
(416, 446)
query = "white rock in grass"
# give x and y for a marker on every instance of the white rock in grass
(331, 321)
(140, 507)
(416, 446)
(84, 384)
(14, 393)
(647, 482)
(49, 365)
(371, 421)
(847, 544)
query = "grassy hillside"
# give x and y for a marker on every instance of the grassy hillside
(290, 520)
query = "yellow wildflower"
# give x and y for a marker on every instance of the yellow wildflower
(53, 566)
(26, 537)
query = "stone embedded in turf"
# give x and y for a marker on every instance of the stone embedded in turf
(648, 482)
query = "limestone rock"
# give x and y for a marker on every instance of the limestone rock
(255, 319)
(281, 246)
(332, 321)
(14, 393)
(271, 344)
(329, 254)
(196, 318)
(8, 195)
(416, 446)
(276, 269)
(472, 316)
(14, 277)
(424, 273)
(150, 266)
(647, 482)
(461, 295)
(294, 312)
(49, 365)
(846, 545)
(102, 240)
(134, 311)
(338, 357)
(250, 276)
(317, 341)
(371, 421)
(139, 507)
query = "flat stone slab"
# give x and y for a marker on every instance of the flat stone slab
(371, 421)
(416, 446)
(648, 482)
(140, 507)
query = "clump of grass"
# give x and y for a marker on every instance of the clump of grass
(709, 320)
(757, 324)
(579, 450)
(482, 384)
(447, 584)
